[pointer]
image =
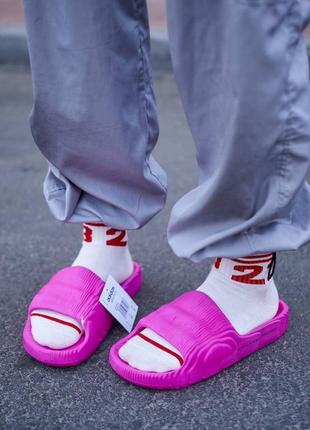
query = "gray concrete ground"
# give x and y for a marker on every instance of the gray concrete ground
(269, 390)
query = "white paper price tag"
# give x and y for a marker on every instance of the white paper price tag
(115, 299)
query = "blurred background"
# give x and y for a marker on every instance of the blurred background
(267, 391)
(11, 13)
(13, 48)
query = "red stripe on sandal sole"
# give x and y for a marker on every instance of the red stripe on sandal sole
(163, 348)
(48, 317)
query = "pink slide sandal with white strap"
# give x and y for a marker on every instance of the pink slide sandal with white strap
(207, 341)
(74, 292)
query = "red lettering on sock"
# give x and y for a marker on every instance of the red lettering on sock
(248, 278)
(88, 234)
(218, 262)
(117, 240)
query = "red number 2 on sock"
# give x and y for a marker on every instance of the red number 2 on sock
(249, 277)
(117, 240)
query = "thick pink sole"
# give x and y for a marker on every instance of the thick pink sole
(77, 353)
(222, 354)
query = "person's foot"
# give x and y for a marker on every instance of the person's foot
(243, 289)
(104, 251)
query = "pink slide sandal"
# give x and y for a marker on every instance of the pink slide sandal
(195, 325)
(75, 292)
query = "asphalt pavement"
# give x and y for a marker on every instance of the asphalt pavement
(269, 390)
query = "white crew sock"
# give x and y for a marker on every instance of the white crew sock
(240, 288)
(104, 251)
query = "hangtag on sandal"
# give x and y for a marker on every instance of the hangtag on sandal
(116, 301)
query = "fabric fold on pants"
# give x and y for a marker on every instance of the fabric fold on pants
(245, 89)
(242, 71)
(94, 115)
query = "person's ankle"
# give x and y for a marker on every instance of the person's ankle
(244, 289)
(105, 252)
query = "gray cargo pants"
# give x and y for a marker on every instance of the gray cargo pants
(242, 72)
